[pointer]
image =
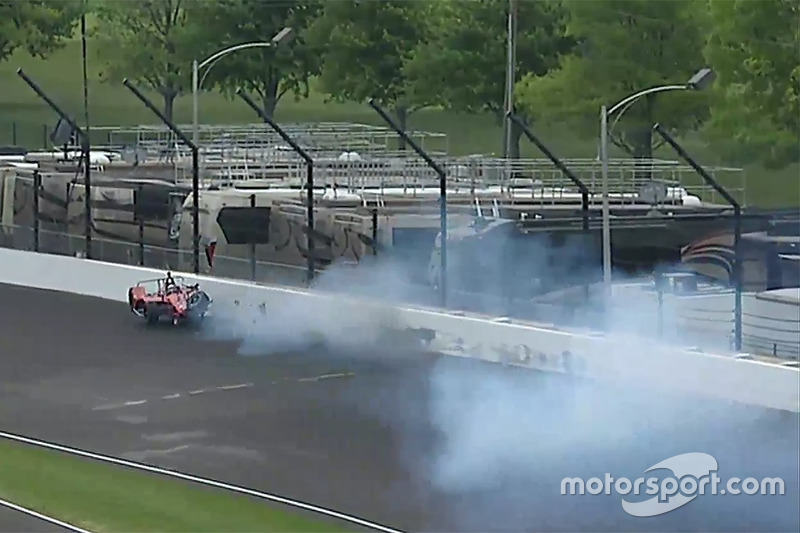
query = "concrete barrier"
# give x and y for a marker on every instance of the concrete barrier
(611, 358)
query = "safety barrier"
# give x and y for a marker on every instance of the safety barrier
(613, 358)
(770, 319)
(771, 323)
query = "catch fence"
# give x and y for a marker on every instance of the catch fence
(704, 322)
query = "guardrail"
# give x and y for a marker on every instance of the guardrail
(771, 323)
(618, 359)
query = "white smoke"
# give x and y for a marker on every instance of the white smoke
(509, 435)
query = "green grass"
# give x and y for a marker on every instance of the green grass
(106, 498)
(111, 105)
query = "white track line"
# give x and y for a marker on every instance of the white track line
(40, 516)
(108, 407)
(233, 387)
(112, 406)
(328, 376)
(202, 481)
(237, 386)
(340, 375)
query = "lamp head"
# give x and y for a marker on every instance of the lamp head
(282, 37)
(702, 79)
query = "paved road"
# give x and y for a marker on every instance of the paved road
(12, 521)
(409, 440)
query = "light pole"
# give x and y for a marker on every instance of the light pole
(87, 145)
(702, 79)
(279, 38)
(511, 59)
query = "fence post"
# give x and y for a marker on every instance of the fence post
(140, 223)
(374, 231)
(584, 190)
(86, 157)
(442, 196)
(737, 229)
(310, 260)
(195, 171)
(659, 282)
(67, 200)
(37, 185)
(253, 246)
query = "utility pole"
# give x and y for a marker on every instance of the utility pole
(511, 61)
(86, 142)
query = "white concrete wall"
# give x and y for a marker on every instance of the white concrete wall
(614, 358)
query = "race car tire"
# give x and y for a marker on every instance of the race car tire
(150, 315)
(199, 300)
(198, 306)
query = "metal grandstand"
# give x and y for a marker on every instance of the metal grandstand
(259, 141)
(366, 160)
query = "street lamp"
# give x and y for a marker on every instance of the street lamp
(280, 38)
(702, 79)
(511, 59)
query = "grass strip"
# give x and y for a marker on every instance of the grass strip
(108, 498)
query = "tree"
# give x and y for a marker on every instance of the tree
(39, 26)
(625, 46)
(461, 66)
(365, 46)
(270, 73)
(150, 42)
(753, 48)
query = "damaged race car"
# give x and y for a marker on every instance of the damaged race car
(170, 298)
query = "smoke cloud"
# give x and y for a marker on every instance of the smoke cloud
(291, 324)
(495, 442)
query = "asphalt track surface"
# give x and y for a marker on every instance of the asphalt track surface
(14, 521)
(413, 441)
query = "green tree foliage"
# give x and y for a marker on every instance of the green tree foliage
(39, 26)
(270, 73)
(754, 48)
(365, 44)
(149, 42)
(462, 63)
(625, 46)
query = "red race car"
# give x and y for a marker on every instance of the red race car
(168, 297)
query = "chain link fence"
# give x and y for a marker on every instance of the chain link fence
(33, 136)
(689, 322)
(375, 279)
(145, 255)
